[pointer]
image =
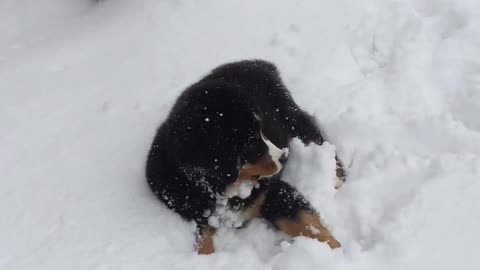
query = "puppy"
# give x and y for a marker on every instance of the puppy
(230, 128)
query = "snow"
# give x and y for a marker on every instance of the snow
(395, 85)
(242, 189)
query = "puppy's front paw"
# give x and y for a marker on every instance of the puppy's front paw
(340, 174)
(307, 130)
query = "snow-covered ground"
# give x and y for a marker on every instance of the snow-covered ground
(394, 84)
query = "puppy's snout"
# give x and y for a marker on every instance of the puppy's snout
(269, 165)
(275, 153)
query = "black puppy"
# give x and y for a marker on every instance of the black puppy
(232, 126)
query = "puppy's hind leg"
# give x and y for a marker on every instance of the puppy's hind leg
(291, 213)
(307, 224)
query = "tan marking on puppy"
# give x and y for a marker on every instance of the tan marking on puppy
(255, 209)
(265, 167)
(251, 172)
(309, 225)
(204, 244)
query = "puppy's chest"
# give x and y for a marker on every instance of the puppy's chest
(231, 209)
(228, 215)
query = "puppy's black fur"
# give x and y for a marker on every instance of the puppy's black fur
(211, 132)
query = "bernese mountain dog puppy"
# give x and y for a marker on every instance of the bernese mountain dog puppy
(231, 128)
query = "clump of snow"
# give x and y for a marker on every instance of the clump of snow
(394, 85)
(226, 215)
(312, 229)
(312, 162)
(243, 189)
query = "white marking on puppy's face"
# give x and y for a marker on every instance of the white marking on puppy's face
(275, 152)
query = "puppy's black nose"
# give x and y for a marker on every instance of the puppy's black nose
(283, 158)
